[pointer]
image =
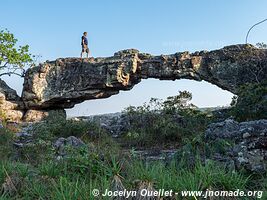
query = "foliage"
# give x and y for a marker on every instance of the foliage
(200, 177)
(261, 45)
(55, 180)
(6, 137)
(57, 125)
(161, 122)
(178, 102)
(250, 102)
(13, 58)
(45, 133)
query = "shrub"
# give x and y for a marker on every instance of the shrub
(250, 102)
(59, 126)
(164, 122)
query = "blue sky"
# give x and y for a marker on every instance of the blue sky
(53, 29)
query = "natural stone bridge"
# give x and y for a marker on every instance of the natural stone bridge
(65, 82)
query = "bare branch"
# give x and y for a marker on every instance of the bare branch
(10, 73)
(252, 28)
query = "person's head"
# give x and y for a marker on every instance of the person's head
(85, 33)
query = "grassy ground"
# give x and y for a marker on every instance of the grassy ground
(35, 173)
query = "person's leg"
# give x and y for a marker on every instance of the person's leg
(83, 51)
(87, 52)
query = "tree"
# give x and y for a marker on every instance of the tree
(13, 59)
(180, 101)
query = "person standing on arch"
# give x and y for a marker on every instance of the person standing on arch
(84, 44)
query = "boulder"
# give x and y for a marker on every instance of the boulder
(62, 144)
(250, 142)
(11, 105)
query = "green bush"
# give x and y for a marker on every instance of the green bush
(164, 122)
(250, 102)
(59, 126)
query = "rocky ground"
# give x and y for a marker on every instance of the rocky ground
(247, 141)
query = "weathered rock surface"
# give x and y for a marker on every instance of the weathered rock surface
(11, 105)
(66, 82)
(38, 115)
(61, 145)
(250, 138)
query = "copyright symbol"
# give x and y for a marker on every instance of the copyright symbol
(95, 192)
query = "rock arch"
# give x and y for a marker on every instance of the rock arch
(62, 83)
(68, 81)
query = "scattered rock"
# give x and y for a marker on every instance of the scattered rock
(71, 140)
(226, 129)
(62, 143)
(24, 136)
(18, 144)
(250, 142)
(113, 123)
(75, 142)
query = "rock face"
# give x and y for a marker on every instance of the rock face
(250, 142)
(66, 82)
(11, 105)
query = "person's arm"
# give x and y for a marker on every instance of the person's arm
(83, 41)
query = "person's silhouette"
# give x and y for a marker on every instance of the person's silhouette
(84, 44)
